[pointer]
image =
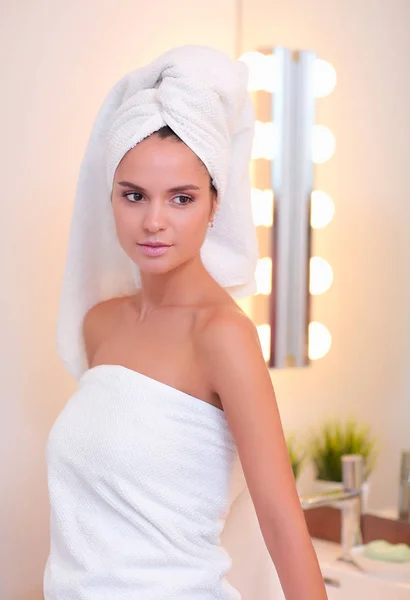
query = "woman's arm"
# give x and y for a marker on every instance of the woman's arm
(231, 354)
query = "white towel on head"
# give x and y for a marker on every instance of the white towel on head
(201, 94)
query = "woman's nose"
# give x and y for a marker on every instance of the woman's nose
(154, 217)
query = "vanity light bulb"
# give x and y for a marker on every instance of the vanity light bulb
(264, 141)
(264, 338)
(324, 78)
(321, 276)
(262, 207)
(262, 71)
(245, 304)
(263, 276)
(322, 209)
(324, 144)
(320, 340)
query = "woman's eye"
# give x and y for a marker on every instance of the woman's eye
(136, 197)
(133, 194)
(186, 199)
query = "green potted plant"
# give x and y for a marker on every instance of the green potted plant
(296, 455)
(333, 441)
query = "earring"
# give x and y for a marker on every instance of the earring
(210, 224)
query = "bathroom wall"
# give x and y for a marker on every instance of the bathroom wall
(58, 61)
(366, 374)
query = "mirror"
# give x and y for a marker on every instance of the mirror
(288, 144)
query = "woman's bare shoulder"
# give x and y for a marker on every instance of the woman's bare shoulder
(103, 310)
(223, 320)
(227, 313)
(99, 320)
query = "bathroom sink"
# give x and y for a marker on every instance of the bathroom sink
(259, 580)
(346, 582)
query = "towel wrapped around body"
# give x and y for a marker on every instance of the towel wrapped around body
(140, 484)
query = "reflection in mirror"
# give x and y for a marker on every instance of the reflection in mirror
(288, 143)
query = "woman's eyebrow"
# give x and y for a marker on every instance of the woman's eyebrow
(180, 188)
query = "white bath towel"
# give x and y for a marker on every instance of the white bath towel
(140, 479)
(201, 94)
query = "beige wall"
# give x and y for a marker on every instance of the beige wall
(367, 309)
(58, 61)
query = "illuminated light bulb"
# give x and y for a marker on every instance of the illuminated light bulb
(263, 275)
(324, 78)
(254, 62)
(264, 141)
(261, 69)
(322, 210)
(320, 340)
(321, 276)
(245, 304)
(264, 338)
(262, 207)
(324, 144)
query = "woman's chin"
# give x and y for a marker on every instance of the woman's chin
(155, 267)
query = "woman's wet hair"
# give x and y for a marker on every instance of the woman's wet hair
(166, 132)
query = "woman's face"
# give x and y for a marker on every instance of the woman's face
(161, 193)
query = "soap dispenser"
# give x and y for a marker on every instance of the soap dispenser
(404, 489)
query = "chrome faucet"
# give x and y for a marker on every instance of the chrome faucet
(404, 489)
(351, 503)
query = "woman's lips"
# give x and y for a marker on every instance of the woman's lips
(153, 250)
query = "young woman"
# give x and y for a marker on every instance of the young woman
(172, 381)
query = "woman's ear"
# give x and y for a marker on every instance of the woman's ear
(214, 195)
